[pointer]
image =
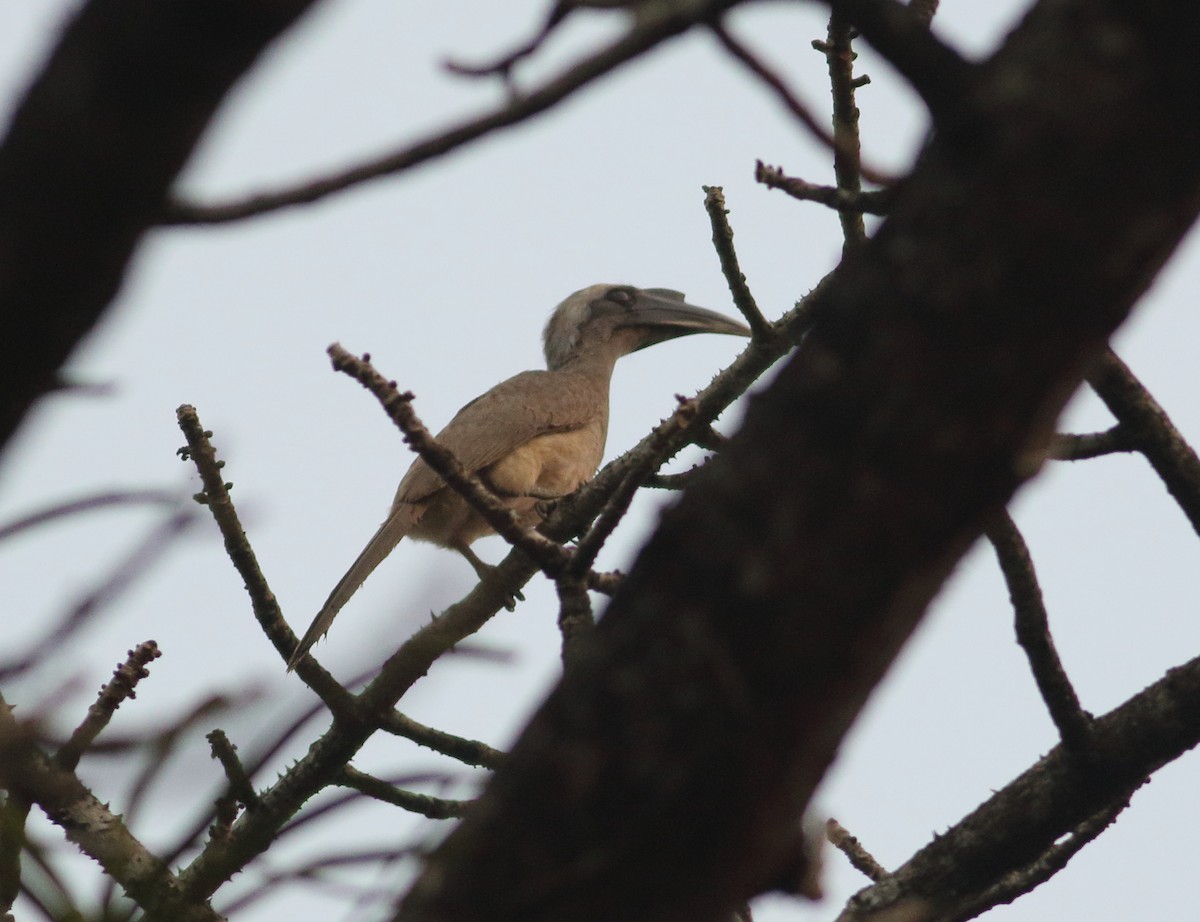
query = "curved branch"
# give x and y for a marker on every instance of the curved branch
(658, 24)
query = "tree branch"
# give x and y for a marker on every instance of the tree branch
(33, 777)
(90, 153)
(661, 22)
(774, 595)
(1152, 432)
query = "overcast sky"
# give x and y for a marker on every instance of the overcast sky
(446, 275)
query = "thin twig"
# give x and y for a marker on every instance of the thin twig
(860, 859)
(607, 583)
(502, 67)
(847, 154)
(620, 497)
(1033, 634)
(239, 781)
(1082, 447)
(722, 238)
(550, 557)
(89, 504)
(940, 75)
(469, 752)
(120, 687)
(266, 607)
(790, 101)
(1172, 458)
(680, 481)
(660, 22)
(876, 203)
(435, 808)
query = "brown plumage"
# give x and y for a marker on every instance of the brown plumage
(536, 436)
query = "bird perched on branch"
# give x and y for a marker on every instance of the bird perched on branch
(534, 437)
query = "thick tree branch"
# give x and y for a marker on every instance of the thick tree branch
(89, 156)
(253, 833)
(773, 597)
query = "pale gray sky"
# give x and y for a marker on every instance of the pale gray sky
(446, 276)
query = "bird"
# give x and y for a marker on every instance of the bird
(533, 437)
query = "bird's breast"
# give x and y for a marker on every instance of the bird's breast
(555, 463)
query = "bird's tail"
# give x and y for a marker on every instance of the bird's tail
(397, 525)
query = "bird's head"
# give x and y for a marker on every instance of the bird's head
(623, 319)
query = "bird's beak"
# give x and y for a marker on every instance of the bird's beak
(663, 314)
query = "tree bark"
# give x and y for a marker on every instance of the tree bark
(89, 157)
(664, 778)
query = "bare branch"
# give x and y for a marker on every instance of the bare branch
(622, 494)
(88, 504)
(680, 481)
(662, 22)
(469, 752)
(550, 557)
(847, 153)
(607, 583)
(89, 155)
(122, 686)
(1172, 458)
(266, 607)
(939, 74)
(502, 67)
(773, 177)
(240, 788)
(1033, 634)
(1071, 447)
(722, 237)
(435, 808)
(1052, 860)
(860, 859)
(33, 777)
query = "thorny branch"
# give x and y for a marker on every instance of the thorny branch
(722, 237)
(363, 714)
(550, 557)
(120, 688)
(33, 777)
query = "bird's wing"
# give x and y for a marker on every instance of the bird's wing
(500, 421)
(487, 429)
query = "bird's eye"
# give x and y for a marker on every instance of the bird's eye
(620, 296)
